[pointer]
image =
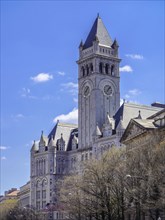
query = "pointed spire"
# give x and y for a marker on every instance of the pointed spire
(97, 131)
(42, 136)
(61, 136)
(81, 44)
(43, 139)
(52, 142)
(115, 44)
(109, 121)
(98, 29)
(35, 146)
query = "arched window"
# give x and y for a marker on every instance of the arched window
(83, 71)
(44, 183)
(37, 167)
(44, 171)
(87, 68)
(38, 184)
(112, 70)
(106, 68)
(91, 67)
(101, 68)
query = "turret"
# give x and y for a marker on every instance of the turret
(61, 144)
(35, 147)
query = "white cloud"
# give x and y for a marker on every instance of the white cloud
(126, 68)
(19, 116)
(71, 117)
(42, 77)
(61, 73)
(132, 95)
(26, 93)
(3, 148)
(3, 158)
(71, 87)
(134, 92)
(127, 96)
(135, 56)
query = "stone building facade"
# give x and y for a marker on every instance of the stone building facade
(101, 119)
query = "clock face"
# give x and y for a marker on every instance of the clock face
(86, 91)
(108, 90)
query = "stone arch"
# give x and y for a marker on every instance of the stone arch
(38, 183)
(87, 82)
(44, 182)
(105, 82)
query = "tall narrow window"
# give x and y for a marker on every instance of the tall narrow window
(37, 168)
(87, 68)
(83, 71)
(112, 70)
(91, 67)
(106, 68)
(101, 68)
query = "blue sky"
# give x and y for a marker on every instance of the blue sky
(39, 49)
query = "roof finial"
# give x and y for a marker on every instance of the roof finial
(98, 16)
(139, 116)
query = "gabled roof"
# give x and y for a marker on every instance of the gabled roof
(145, 123)
(128, 111)
(137, 127)
(62, 128)
(98, 32)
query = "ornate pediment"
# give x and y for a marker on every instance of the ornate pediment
(133, 129)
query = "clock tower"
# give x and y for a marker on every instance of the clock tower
(99, 89)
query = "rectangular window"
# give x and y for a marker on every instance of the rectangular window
(44, 194)
(38, 195)
(43, 204)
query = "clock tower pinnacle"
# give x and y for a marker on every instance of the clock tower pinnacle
(99, 90)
